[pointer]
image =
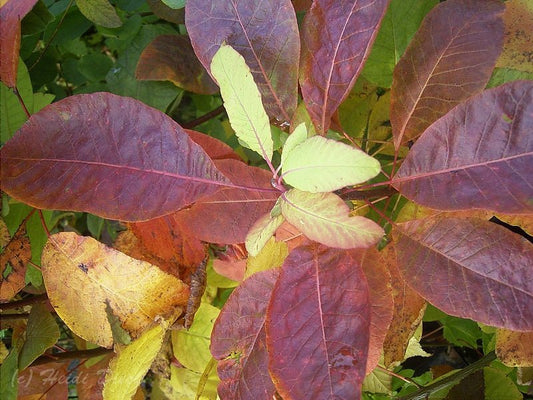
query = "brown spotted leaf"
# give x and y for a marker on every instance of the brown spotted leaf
(514, 348)
(14, 257)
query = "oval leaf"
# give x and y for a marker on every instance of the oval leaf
(324, 165)
(337, 37)
(318, 325)
(261, 232)
(242, 101)
(484, 269)
(298, 136)
(266, 34)
(82, 275)
(450, 58)
(476, 156)
(108, 155)
(324, 217)
(239, 340)
(101, 12)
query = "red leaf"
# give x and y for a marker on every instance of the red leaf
(226, 216)
(108, 155)
(264, 32)
(337, 37)
(11, 13)
(470, 268)
(171, 58)
(215, 149)
(238, 340)
(476, 156)
(450, 58)
(318, 325)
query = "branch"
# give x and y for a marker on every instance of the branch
(71, 355)
(203, 118)
(24, 302)
(351, 194)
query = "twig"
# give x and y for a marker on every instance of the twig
(203, 118)
(14, 316)
(368, 194)
(71, 355)
(24, 302)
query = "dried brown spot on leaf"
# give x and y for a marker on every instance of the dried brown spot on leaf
(13, 260)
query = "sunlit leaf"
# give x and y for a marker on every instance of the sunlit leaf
(184, 384)
(298, 136)
(514, 348)
(82, 275)
(101, 12)
(261, 232)
(271, 256)
(324, 217)
(242, 101)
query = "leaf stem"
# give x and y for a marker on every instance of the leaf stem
(206, 117)
(21, 101)
(71, 355)
(43, 222)
(367, 194)
(24, 302)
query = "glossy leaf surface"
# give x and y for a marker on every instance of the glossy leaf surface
(484, 270)
(265, 32)
(450, 58)
(239, 340)
(336, 40)
(318, 324)
(477, 156)
(141, 161)
(324, 217)
(172, 58)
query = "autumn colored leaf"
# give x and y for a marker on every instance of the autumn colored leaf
(13, 259)
(101, 12)
(324, 217)
(514, 348)
(91, 380)
(449, 59)
(46, 381)
(318, 324)
(172, 58)
(215, 149)
(272, 255)
(273, 58)
(476, 155)
(231, 262)
(239, 340)
(142, 162)
(82, 275)
(11, 13)
(484, 269)
(336, 40)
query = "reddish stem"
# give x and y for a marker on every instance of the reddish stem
(44, 223)
(21, 101)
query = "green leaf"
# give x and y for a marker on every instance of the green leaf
(8, 376)
(261, 232)
(324, 165)
(298, 136)
(175, 4)
(120, 335)
(185, 384)
(101, 12)
(242, 100)
(324, 217)
(42, 333)
(378, 381)
(504, 75)
(498, 386)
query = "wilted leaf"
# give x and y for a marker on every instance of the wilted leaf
(514, 348)
(141, 161)
(239, 340)
(449, 59)
(476, 156)
(337, 37)
(172, 58)
(266, 34)
(101, 12)
(261, 232)
(81, 275)
(127, 369)
(324, 217)
(484, 269)
(13, 260)
(324, 165)
(318, 323)
(242, 101)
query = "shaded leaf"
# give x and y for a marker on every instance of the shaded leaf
(378, 381)
(47, 381)
(476, 156)
(324, 165)
(142, 162)
(242, 101)
(9, 375)
(514, 348)
(215, 149)
(336, 37)
(231, 262)
(184, 384)
(261, 232)
(239, 340)
(13, 259)
(483, 269)
(101, 12)
(81, 275)
(450, 58)
(172, 58)
(318, 323)
(499, 386)
(163, 11)
(264, 32)
(92, 384)
(324, 217)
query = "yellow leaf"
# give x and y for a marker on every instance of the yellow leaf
(271, 256)
(82, 275)
(514, 349)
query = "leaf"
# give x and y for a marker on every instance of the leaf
(172, 58)
(261, 232)
(298, 136)
(42, 333)
(483, 269)
(185, 384)
(242, 101)
(324, 217)
(46, 381)
(324, 165)
(120, 335)
(215, 149)
(317, 325)
(265, 32)
(174, 3)
(11, 13)
(239, 340)
(82, 275)
(9, 375)
(127, 369)
(231, 262)
(476, 156)
(91, 379)
(101, 12)
(69, 154)
(514, 348)
(271, 256)
(499, 386)
(13, 259)
(449, 59)
(336, 37)
(378, 381)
